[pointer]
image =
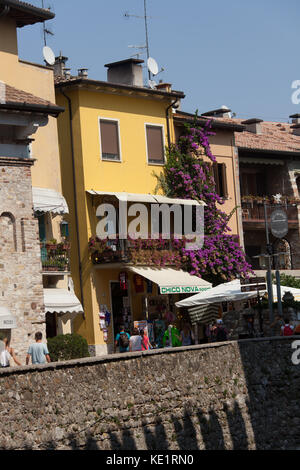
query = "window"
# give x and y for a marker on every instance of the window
(109, 140)
(220, 178)
(155, 144)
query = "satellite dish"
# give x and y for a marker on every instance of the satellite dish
(152, 66)
(152, 84)
(48, 55)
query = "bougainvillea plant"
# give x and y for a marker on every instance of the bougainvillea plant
(188, 175)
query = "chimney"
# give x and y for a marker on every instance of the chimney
(295, 118)
(296, 129)
(222, 112)
(67, 73)
(126, 72)
(253, 125)
(164, 86)
(83, 73)
(60, 65)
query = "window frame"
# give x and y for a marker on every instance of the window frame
(150, 124)
(100, 118)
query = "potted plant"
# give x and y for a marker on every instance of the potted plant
(52, 244)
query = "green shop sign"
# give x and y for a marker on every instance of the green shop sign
(182, 289)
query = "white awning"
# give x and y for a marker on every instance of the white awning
(7, 320)
(48, 200)
(151, 198)
(61, 301)
(230, 292)
(172, 281)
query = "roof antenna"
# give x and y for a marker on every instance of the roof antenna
(45, 30)
(145, 18)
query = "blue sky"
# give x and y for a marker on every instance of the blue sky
(238, 53)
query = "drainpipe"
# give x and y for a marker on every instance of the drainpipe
(75, 196)
(168, 123)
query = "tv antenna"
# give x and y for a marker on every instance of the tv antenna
(145, 18)
(46, 31)
(137, 47)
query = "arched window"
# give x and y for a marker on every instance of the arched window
(8, 232)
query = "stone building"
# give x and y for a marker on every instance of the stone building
(50, 207)
(269, 165)
(21, 282)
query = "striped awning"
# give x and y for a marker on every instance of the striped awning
(204, 314)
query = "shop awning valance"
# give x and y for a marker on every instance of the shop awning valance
(7, 320)
(204, 314)
(150, 198)
(172, 281)
(61, 301)
(261, 161)
(48, 200)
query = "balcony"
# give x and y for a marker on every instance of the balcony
(55, 257)
(150, 252)
(254, 217)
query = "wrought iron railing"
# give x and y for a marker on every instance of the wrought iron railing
(55, 257)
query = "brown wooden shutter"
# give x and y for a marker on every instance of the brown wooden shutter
(155, 144)
(109, 139)
(224, 180)
(216, 177)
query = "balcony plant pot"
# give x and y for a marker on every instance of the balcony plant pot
(50, 246)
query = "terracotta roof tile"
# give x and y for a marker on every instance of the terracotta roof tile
(9, 94)
(275, 136)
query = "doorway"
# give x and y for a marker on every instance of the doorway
(120, 306)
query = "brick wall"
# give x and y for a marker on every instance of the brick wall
(234, 395)
(21, 288)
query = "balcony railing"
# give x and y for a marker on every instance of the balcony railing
(55, 257)
(253, 212)
(148, 251)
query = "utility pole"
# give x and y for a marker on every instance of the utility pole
(269, 271)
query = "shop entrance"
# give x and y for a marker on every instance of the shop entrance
(120, 307)
(51, 329)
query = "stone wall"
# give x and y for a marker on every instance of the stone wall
(21, 289)
(233, 395)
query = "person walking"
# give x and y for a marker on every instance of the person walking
(38, 351)
(122, 340)
(186, 335)
(287, 329)
(135, 342)
(145, 341)
(220, 333)
(7, 354)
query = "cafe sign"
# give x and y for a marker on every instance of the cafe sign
(279, 223)
(182, 289)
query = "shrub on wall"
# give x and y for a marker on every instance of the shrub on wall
(69, 346)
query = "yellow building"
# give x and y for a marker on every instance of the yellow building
(112, 139)
(48, 202)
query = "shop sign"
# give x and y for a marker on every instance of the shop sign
(182, 289)
(279, 223)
